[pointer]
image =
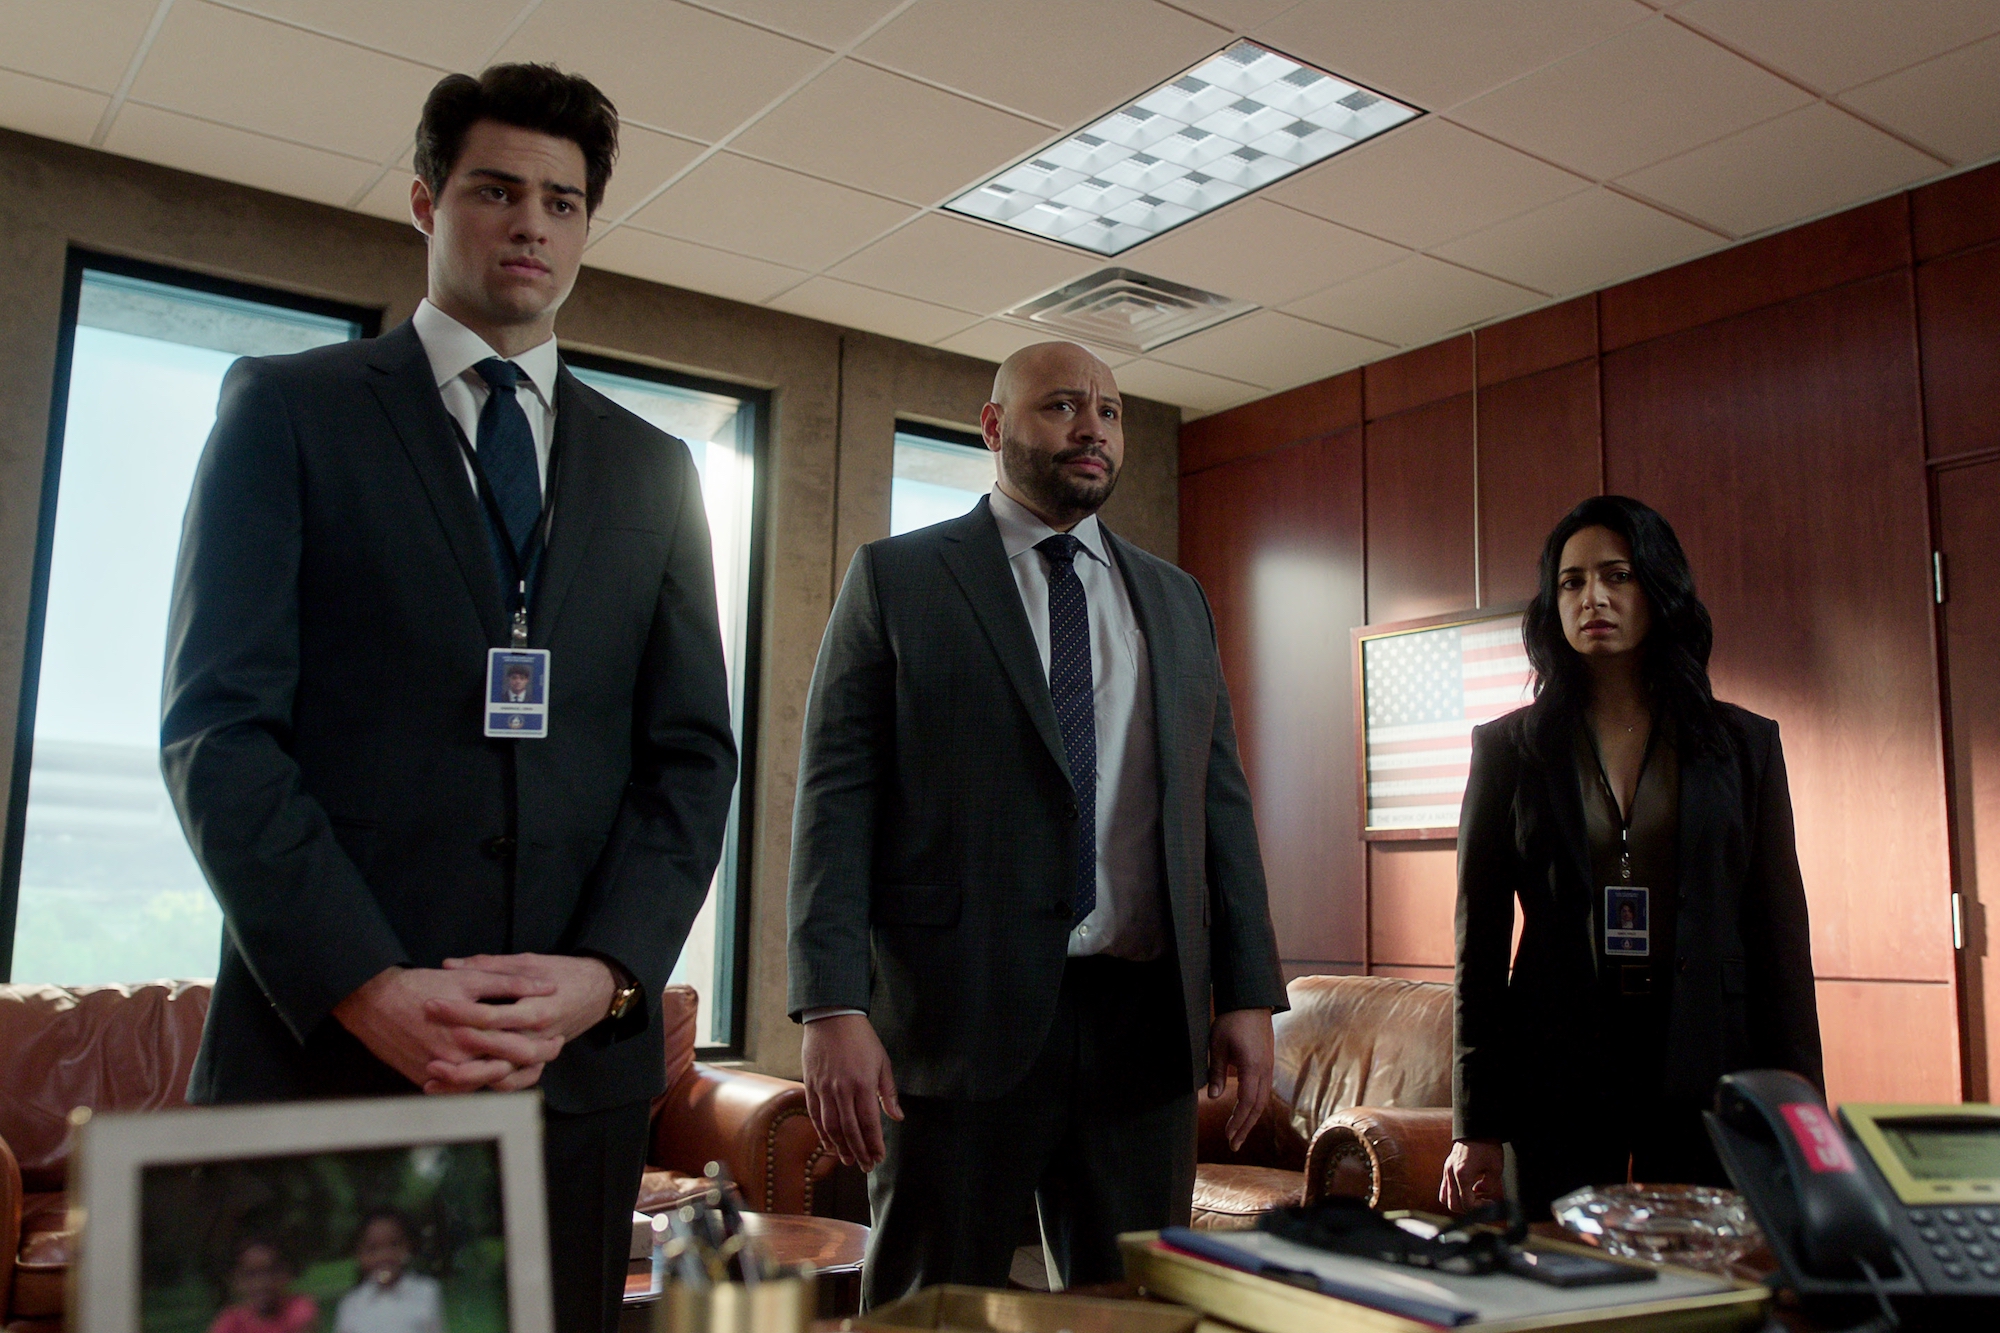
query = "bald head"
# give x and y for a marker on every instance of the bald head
(1058, 425)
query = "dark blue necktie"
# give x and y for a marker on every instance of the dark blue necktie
(507, 457)
(1076, 705)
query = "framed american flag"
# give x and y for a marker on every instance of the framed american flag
(1421, 686)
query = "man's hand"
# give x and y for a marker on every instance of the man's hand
(391, 1015)
(1239, 1042)
(1473, 1174)
(572, 995)
(847, 1075)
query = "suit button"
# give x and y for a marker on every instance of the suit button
(497, 849)
(1680, 965)
(1071, 811)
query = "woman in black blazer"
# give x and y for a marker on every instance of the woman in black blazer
(1646, 828)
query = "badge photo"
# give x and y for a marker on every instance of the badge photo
(1627, 932)
(517, 693)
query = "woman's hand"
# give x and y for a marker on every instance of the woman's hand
(1473, 1174)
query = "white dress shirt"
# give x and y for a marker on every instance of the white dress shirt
(454, 350)
(1126, 923)
(414, 1304)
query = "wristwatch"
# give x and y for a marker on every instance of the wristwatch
(625, 996)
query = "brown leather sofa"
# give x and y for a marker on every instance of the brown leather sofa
(1360, 1105)
(130, 1048)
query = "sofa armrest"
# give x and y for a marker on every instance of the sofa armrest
(1389, 1157)
(755, 1125)
(10, 1224)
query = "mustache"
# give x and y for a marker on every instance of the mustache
(1083, 451)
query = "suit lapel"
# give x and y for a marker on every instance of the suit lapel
(579, 476)
(400, 378)
(1566, 799)
(976, 559)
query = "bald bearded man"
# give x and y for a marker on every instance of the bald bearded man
(1024, 869)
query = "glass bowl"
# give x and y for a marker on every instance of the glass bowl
(1694, 1226)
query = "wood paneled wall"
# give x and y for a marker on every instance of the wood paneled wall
(1789, 405)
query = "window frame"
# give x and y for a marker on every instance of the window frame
(79, 261)
(734, 993)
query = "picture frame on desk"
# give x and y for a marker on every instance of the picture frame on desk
(209, 1218)
(1420, 686)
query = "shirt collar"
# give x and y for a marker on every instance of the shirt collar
(454, 349)
(1022, 530)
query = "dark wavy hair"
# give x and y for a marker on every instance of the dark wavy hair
(1674, 656)
(529, 97)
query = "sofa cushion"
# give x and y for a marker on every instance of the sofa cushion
(48, 1248)
(1362, 1041)
(111, 1048)
(679, 1006)
(1230, 1198)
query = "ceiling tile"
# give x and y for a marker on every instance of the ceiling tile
(1581, 243)
(963, 264)
(48, 40)
(1425, 183)
(450, 34)
(1271, 350)
(1056, 60)
(1183, 387)
(855, 307)
(1795, 167)
(1645, 95)
(880, 131)
(236, 155)
(1259, 251)
(673, 67)
(52, 110)
(1415, 302)
(697, 268)
(769, 213)
(389, 197)
(1951, 104)
(1438, 53)
(829, 23)
(996, 340)
(1836, 44)
(282, 82)
(646, 158)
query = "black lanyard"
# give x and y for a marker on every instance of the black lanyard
(1625, 815)
(522, 570)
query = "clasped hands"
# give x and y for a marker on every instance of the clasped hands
(490, 1021)
(850, 1087)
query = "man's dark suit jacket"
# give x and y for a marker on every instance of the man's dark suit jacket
(1528, 1048)
(934, 839)
(334, 602)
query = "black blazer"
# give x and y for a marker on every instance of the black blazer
(1526, 1047)
(333, 605)
(933, 843)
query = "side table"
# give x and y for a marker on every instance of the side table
(834, 1248)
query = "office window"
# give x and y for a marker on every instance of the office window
(721, 425)
(939, 473)
(107, 889)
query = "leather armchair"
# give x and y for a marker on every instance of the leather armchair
(1360, 1105)
(132, 1047)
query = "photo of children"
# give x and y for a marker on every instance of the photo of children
(399, 1240)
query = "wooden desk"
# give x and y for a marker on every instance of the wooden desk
(834, 1249)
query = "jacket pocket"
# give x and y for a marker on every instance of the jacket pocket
(915, 905)
(1735, 977)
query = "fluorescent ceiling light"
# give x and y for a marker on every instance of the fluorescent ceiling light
(1232, 124)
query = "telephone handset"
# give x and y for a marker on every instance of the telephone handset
(1896, 1201)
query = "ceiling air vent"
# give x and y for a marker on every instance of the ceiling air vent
(1116, 307)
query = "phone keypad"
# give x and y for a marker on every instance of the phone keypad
(1964, 1241)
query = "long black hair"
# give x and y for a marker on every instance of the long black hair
(1674, 656)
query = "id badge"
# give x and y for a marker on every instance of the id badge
(1627, 932)
(517, 693)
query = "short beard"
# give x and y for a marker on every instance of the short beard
(1047, 488)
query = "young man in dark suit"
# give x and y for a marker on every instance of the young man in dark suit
(412, 902)
(1024, 869)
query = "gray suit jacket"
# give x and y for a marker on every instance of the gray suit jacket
(933, 844)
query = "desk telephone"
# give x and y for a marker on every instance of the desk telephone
(1911, 1192)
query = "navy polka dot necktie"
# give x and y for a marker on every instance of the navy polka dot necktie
(506, 448)
(1076, 705)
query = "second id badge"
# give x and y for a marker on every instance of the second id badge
(1627, 932)
(517, 693)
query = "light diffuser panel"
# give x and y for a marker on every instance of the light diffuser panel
(1236, 122)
